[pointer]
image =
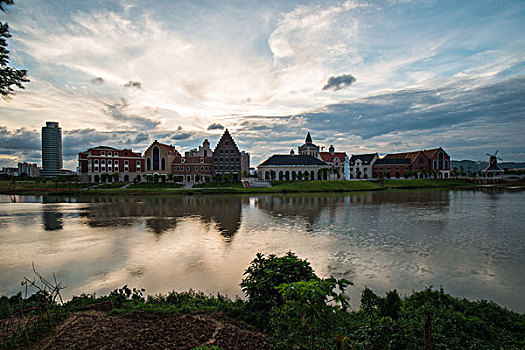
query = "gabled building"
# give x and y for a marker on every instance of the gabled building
(338, 162)
(159, 158)
(227, 159)
(103, 163)
(425, 161)
(196, 165)
(361, 165)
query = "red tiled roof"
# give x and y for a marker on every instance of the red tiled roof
(327, 157)
(429, 153)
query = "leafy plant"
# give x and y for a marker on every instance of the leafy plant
(265, 275)
(309, 311)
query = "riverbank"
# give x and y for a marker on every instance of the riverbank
(30, 188)
(192, 320)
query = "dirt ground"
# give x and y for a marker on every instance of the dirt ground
(140, 330)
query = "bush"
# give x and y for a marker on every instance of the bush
(265, 275)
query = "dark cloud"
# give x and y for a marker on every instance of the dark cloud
(117, 110)
(97, 81)
(181, 136)
(133, 84)
(20, 139)
(215, 126)
(339, 82)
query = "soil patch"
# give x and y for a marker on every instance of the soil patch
(99, 330)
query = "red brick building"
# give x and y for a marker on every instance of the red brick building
(337, 161)
(425, 161)
(196, 165)
(99, 164)
(391, 168)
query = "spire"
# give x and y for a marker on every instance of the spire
(308, 138)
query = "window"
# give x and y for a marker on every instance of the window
(238, 159)
(156, 158)
(126, 165)
(183, 160)
(215, 159)
(103, 162)
(202, 160)
(163, 163)
(205, 153)
(115, 154)
(148, 163)
(138, 165)
(103, 153)
(109, 154)
(115, 163)
(96, 161)
(196, 168)
(226, 143)
(202, 168)
(187, 168)
(221, 159)
(220, 151)
(110, 162)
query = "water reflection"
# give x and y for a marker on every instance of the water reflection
(163, 212)
(471, 242)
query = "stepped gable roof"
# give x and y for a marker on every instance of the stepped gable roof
(286, 159)
(225, 137)
(393, 161)
(363, 157)
(327, 157)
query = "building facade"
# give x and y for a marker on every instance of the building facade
(196, 165)
(309, 148)
(104, 164)
(392, 168)
(337, 162)
(425, 161)
(30, 169)
(227, 159)
(51, 150)
(158, 159)
(245, 163)
(361, 165)
(283, 167)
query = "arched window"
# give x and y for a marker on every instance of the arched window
(281, 176)
(267, 175)
(163, 163)
(446, 164)
(148, 163)
(205, 153)
(312, 175)
(441, 158)
(156, 158)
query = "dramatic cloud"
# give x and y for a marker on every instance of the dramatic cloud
(133, 84)
(20, 139)
(117, 110)
(215, 126)
(97, 81)
(339, 82)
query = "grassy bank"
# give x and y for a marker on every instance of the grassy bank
(287, 304)
(32, 188)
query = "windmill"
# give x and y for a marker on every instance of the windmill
(493, 159)
(493, 169)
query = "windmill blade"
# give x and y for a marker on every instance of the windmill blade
(490, 155)
(495, 154)
(499, 159)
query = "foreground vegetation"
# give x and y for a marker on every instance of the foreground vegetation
(296, 309)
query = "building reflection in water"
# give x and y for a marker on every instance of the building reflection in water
(52, 217)
(162, 213)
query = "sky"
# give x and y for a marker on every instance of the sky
(364, 76)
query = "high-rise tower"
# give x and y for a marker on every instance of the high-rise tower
(51, 149)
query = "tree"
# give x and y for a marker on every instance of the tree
(8, 76)
(116, 176)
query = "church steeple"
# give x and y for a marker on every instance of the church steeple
(308, 138)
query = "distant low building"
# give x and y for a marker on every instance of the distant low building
(361, 165)
(99, 164)
(10, 171)
(245, 163)
(30, 169)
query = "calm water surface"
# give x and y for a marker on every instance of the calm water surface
(470, 242)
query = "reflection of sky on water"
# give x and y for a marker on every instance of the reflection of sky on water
(472, 243)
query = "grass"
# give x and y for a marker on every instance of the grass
(425, 183)
(218, 184)
(154, 186)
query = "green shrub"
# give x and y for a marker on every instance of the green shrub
(265, 275)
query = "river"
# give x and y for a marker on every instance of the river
(470, 242)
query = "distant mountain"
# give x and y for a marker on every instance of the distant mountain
(470, 165)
